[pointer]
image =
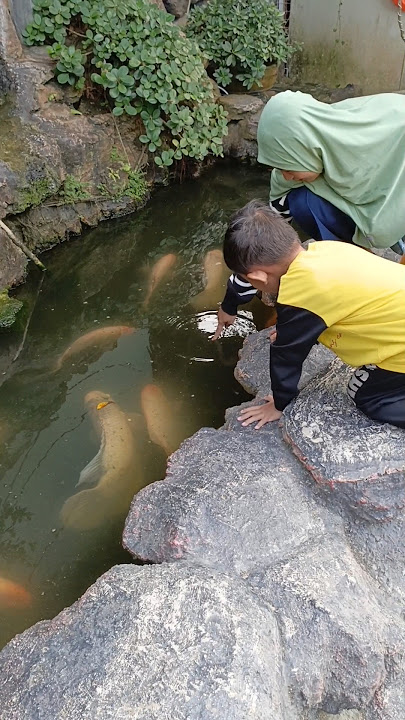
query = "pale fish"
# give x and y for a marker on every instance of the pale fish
(101, 338)
(158, 272)
(13, 595)
(161, 419)
(113, 472)
(216, 276)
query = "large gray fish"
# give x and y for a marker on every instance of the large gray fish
(113, 472)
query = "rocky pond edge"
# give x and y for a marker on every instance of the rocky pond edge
(273, 582)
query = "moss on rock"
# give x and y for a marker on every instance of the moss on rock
(9, 307)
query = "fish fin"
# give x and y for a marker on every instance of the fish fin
(84, 511)
(91, 474)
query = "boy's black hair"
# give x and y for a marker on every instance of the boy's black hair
(256, 235)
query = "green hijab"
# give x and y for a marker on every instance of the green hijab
(359, 147)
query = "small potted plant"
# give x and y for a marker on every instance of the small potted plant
(243, 41)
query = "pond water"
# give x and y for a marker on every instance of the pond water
(47, 431)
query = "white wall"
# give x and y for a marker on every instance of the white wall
(349, 41)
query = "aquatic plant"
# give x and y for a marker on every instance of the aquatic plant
(239, 38)
(142, 63)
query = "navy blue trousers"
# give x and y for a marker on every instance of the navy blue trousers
(318, 217)
(323, 221)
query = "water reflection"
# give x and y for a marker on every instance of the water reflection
(48, 435)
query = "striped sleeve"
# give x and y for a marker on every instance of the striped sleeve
(281, 207)
(238, 292)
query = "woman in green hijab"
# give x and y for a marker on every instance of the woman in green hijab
(339, 169)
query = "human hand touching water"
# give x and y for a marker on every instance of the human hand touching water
(224, 321)
(261, 414)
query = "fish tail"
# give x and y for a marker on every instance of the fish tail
(13, 595)
(84, 511)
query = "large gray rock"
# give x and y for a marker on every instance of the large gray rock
(238, 502)
(361, 462)
(150, 643)
(389, 702)
(178, 8)
(380, 548)
(241, 106)
(12, 262)
(232, 501)
(336, 629)
(243, 113)
(252, 370)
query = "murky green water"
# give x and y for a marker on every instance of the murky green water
(46, 433)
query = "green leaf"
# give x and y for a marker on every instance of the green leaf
(63, 78)
(117, 111)
(130, 110)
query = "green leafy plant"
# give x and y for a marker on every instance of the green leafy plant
(35, 194)
(73, 190)
(9, 308)
(240, 38)
(70, 67)
(145, 66)
(136, 187)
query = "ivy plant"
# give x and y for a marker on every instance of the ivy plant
(240, 38)
(142, 63)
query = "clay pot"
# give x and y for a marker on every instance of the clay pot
(267, 82)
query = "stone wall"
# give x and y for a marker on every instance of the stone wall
(348, 41)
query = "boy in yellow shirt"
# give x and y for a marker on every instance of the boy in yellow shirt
(353, 302)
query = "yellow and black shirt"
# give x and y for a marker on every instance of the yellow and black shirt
(352, 301)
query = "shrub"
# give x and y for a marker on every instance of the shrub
(145, 65)
(239, 38)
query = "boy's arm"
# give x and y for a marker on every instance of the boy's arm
(238, 291)
(297, 331)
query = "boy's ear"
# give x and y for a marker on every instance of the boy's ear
(257, 276)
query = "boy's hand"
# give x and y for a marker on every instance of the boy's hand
(273, 335)
(263, 413)
(224, 320)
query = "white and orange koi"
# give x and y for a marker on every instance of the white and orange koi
(113, 472)
(13, 595)
(158, 272)
(160, 419)
(216, 275)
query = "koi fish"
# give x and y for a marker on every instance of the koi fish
(104, 337)
(216, 275)
(159, 270)
(13, 595)
(160, 419)
(113, 472)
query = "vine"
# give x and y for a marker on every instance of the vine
(144, 65)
